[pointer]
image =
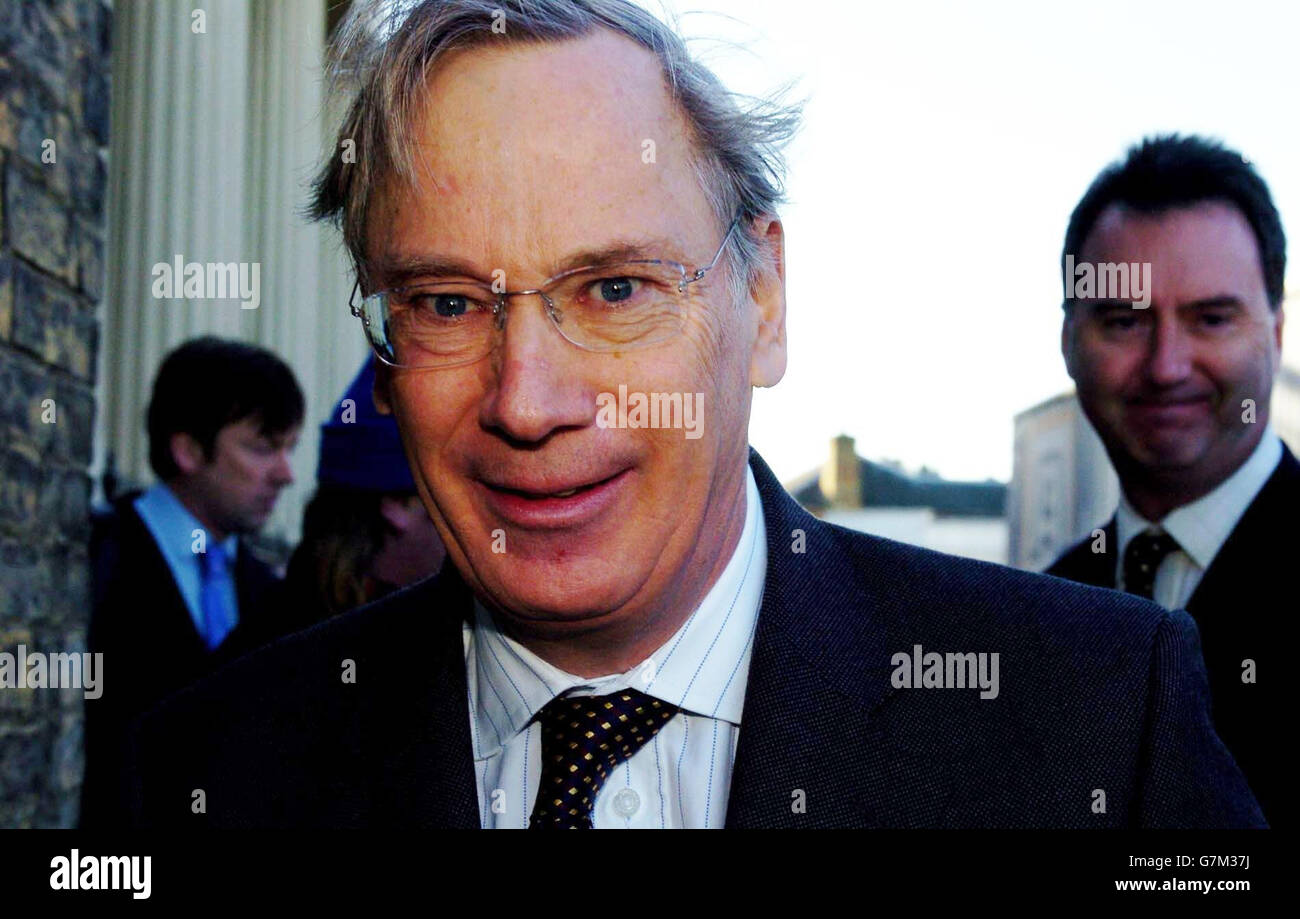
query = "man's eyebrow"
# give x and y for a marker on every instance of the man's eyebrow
(1219, 301)
(396, 271)
(1104, 305)
(619, 250)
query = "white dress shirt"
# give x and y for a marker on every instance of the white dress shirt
(681, 778)
(1201, 528)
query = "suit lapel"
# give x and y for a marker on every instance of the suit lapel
(252, 582)
(417, 752)
(1082, 565)
(1253, 542)
(814, 748)
(165, 618)
(1100, 567)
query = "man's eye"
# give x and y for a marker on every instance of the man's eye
(449, 305)
(1214, 319)
(1118, 321)
(615, 290)
(444, 306)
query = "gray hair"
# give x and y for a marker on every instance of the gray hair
(384, 51)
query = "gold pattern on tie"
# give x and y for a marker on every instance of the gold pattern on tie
(583, 739)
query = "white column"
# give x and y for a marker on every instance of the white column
(176, 186)
(302, 316)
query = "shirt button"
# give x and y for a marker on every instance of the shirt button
(626, 802)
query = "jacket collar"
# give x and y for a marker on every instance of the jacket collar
(1256, 536)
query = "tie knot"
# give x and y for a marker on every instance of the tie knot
(1143, 556)
(583, 739)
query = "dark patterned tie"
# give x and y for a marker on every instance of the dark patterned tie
(583, 739)
(1143, 556)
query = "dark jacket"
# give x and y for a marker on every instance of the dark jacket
(151, 648)
(1100, 694)
(1244, 607)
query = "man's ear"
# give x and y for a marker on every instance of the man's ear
(379, 391)
(186, 452)
(768, 359)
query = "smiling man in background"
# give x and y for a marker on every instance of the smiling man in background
(551, 201)
(1179, 390)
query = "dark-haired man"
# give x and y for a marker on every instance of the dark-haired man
(176, 591)
(1179, 391)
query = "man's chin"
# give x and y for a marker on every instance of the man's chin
(249, 524)
(559, 593)
(1169, 452)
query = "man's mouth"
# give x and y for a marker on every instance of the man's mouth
(538, 494)
(539, 504)
(1164, 410)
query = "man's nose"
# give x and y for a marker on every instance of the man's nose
(1169, 360)
(539, 386)
(282, 471)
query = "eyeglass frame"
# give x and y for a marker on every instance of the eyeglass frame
(499, 307)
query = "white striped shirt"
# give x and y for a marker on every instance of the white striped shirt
(682, 777)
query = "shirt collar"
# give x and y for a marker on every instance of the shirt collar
(1203, 526)
(702, 669)
(173, 525)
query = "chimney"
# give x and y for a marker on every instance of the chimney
(841, 478)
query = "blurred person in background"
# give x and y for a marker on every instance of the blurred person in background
(365, 532)
(1178, 388)
(176, 591)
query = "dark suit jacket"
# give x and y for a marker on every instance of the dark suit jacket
(150, 645)
(1242, 613)
(1099, 692)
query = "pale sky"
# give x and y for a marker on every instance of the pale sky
(944, 147)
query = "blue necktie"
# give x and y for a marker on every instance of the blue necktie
(218, 617)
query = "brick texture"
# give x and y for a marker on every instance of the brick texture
(54, 105)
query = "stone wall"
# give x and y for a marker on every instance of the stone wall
(54, 113)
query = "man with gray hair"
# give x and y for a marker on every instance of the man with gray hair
(552, 210)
